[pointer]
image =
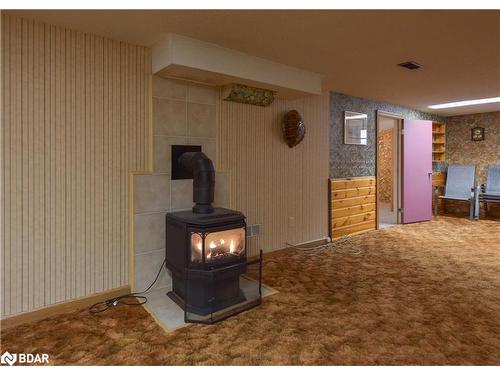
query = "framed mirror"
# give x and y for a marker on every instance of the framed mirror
(355, 128)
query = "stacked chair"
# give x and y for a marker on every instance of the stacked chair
(489, 193)
(459, 187)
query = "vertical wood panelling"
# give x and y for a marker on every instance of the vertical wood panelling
(75, 118)
(270, 182)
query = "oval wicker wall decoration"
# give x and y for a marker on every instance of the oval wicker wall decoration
(293, 128)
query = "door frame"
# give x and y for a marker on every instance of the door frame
(399, 175)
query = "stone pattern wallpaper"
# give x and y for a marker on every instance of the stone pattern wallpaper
(353, 160)
(384, 183)
(462, 150)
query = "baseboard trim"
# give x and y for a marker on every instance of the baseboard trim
(61, 308)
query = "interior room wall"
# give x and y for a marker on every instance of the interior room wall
(355, 160)
(256, 172)
(183, 113)
(74, 123)
(282, 188)
(461, 149)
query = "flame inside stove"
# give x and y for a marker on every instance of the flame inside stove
(218, 245)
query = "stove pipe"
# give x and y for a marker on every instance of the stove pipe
(203, 172)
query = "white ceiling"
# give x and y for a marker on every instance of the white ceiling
(356, 51)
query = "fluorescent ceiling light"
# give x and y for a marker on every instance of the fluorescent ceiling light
(466, 102)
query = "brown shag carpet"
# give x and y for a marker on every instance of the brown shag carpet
(425, 293)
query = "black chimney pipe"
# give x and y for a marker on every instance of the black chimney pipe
(203, 180)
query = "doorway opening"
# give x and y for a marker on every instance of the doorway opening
(388, 169)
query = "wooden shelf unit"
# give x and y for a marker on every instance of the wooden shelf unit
(438, 141)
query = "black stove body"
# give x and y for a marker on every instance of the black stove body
(205, 247)
(206, 254)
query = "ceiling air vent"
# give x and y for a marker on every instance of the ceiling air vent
(411, 65)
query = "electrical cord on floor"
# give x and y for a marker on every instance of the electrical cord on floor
(342, 245)
(138, 297)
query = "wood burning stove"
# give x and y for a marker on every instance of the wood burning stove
(206, 254)
(205, 247)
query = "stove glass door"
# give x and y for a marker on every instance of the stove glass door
(218, 247)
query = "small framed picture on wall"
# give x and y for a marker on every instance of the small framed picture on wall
(355, 128)
(477, 134)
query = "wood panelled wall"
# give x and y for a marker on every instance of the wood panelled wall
(74, 123)
(353, 206)
(282, 188)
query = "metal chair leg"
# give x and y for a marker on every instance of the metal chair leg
(477, 207)
(473, 203)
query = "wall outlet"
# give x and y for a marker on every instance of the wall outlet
(291, 222)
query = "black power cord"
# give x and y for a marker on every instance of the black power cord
(139, 299)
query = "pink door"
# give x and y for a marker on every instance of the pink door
(417, 171)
